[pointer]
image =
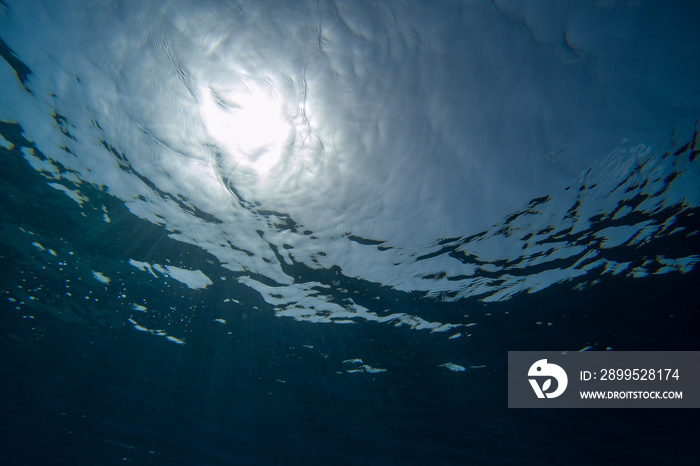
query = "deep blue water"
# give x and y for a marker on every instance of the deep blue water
(445, 182)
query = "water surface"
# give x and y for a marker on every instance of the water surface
(309, 232)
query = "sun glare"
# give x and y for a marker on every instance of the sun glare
(249, 123)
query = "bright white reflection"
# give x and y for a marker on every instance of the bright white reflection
(250, 123)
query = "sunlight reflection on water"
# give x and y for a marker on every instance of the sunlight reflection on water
(397, 146)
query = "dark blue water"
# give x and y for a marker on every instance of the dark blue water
(174, 294)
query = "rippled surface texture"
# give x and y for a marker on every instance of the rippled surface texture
(309, 232)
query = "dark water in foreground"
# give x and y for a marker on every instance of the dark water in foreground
(81, 387)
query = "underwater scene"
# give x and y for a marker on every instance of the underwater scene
(310, 231)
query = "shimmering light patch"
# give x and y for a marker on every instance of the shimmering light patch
(355, 365)
(101, 278)
(160, 333)
(5, 143)
(143, 266)
(453, 367)
(250, 122)
(683, 265)
(138, 327)
(76, 196)
(179, 341)
(194, 279)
